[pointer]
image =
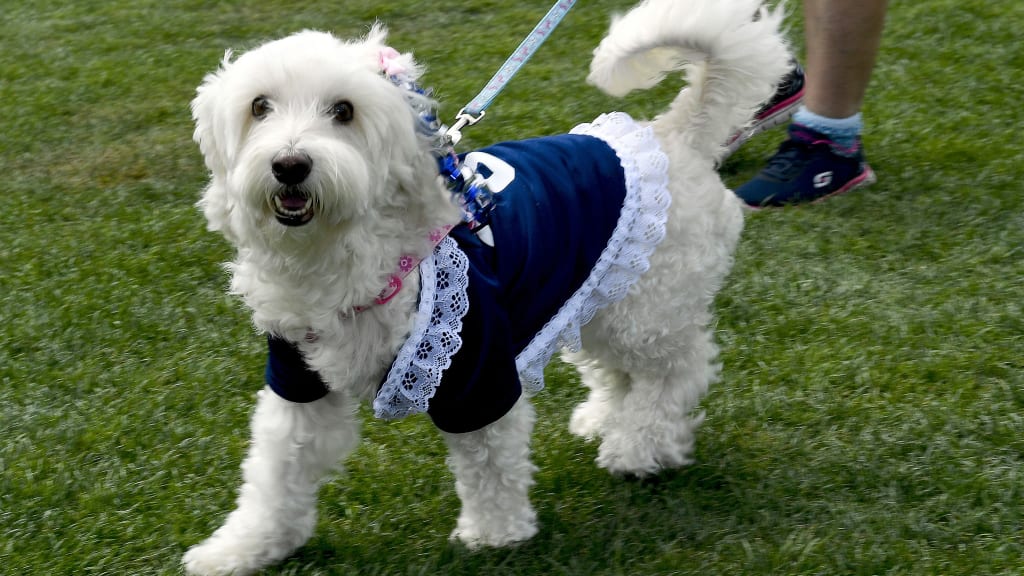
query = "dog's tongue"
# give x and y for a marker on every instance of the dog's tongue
(293, 201)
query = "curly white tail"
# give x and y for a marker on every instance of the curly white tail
(731, 51)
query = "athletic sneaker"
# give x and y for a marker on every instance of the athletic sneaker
(775, 112)
(807, 168)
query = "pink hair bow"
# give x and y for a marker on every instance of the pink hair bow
(388, 61)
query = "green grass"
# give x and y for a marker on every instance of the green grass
(871, 415)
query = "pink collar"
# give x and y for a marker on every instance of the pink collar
(406, 264)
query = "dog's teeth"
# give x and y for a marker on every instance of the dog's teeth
(280, 208)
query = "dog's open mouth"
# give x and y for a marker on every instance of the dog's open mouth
(292, 206)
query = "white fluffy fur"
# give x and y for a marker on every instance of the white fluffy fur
(647, 359)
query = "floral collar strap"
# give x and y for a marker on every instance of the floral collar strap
(406, 264)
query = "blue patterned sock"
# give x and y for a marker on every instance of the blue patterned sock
(845, 132)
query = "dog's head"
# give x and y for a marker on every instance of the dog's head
(308, 132)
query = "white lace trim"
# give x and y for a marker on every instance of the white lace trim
(434, 339)
(640, 228)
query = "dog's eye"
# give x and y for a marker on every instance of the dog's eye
(261, 107)
(343, 111)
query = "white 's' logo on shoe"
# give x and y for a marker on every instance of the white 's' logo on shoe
(823, 179)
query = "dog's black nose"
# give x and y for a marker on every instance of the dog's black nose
(291, 169)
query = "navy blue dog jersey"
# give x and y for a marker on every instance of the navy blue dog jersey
(574, 219)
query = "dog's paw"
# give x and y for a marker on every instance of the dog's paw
(509, 533)
(645, 454)
(237, 553)
(213, 558)
(639, 464)
(587, 419)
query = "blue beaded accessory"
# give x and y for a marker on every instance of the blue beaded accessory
(469, 190)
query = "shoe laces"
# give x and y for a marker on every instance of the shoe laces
(791, 158)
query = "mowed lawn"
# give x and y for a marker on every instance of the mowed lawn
(870, 419)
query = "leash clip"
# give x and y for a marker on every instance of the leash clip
(462, 119)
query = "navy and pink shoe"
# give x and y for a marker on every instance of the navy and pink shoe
(807, 168)
(775, 112)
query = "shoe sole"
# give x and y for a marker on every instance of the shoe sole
(777, 116)
(865, 178)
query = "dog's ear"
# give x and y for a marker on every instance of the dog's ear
(211, 127)
(205, 115)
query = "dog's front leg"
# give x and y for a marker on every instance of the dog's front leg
(293, 447)
(493, 476)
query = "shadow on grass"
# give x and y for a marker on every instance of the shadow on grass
(590, 523)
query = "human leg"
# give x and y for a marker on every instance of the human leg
(842, 38)
(822, 156)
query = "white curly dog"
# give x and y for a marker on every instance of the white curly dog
(610, 242)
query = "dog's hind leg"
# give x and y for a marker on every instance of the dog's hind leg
(293, 448)
(654, 426)
(608, 386)
(493, 476)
